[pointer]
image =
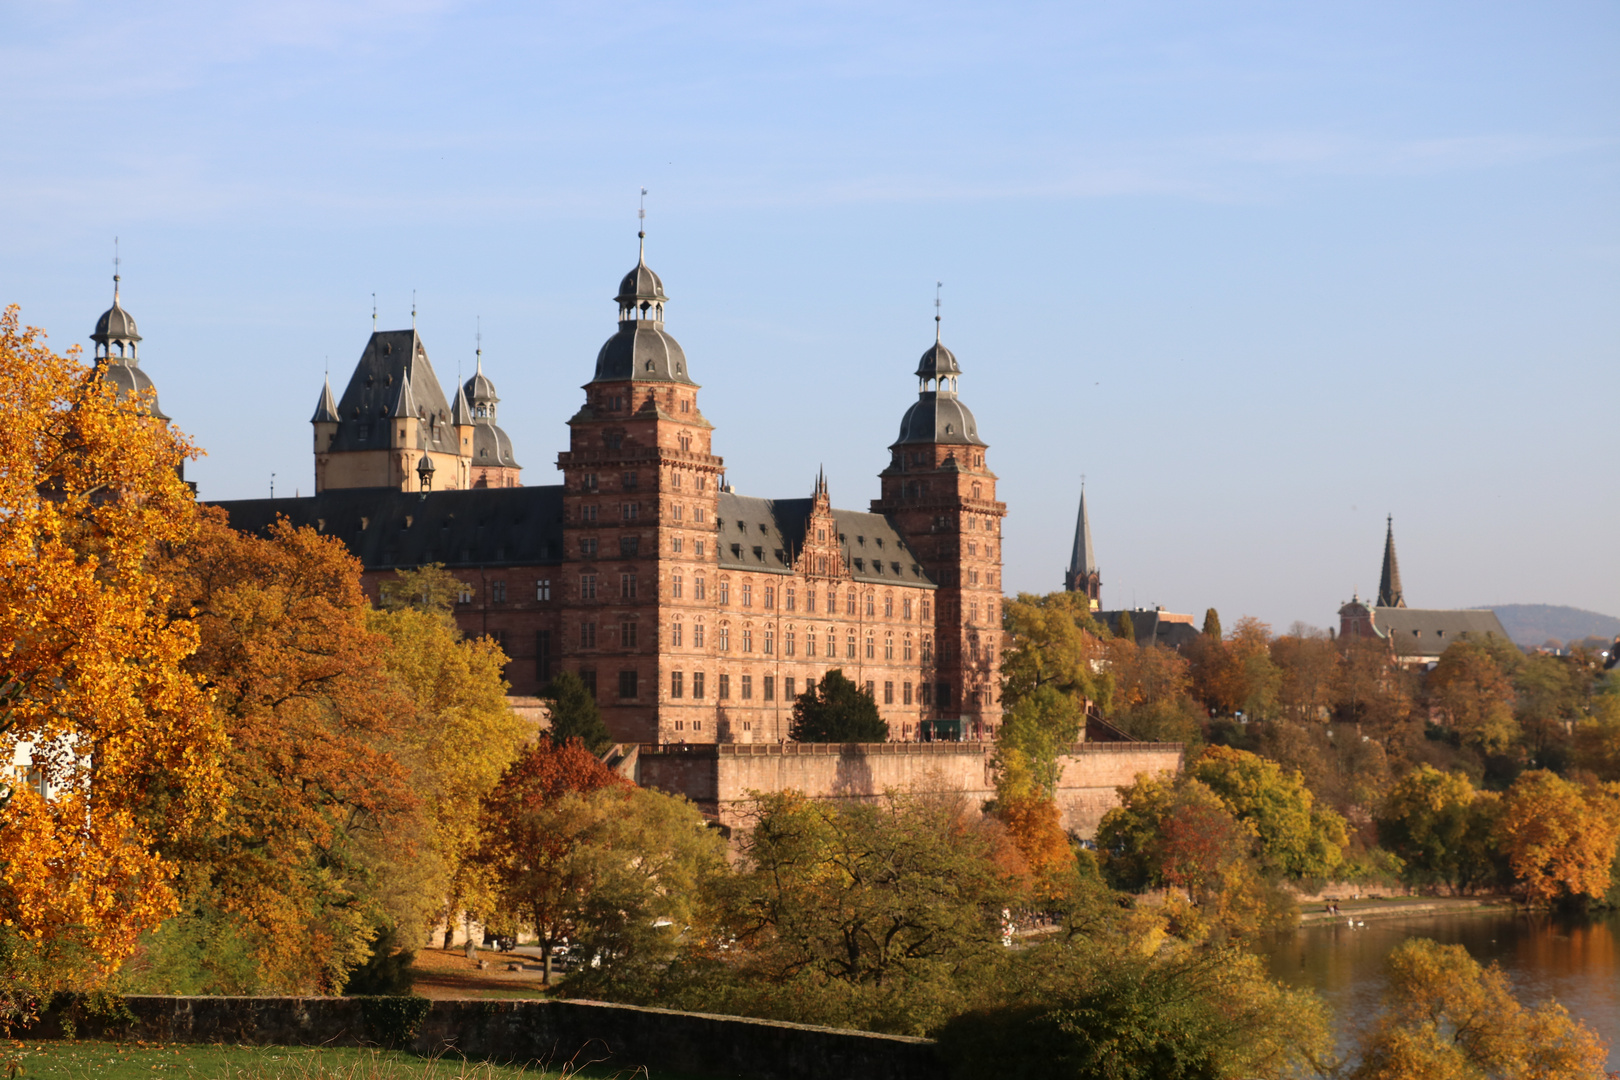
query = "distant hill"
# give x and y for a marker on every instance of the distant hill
(1533, 624)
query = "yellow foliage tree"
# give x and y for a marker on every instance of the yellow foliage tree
(122, 744)
(1559, 840)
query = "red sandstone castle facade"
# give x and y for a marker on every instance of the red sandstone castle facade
(696, 614)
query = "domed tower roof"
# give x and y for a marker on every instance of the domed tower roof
(938, 415)
(491, 445)
(641, 350)
(116, 358)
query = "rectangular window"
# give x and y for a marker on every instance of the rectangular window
(888, 693)
(927, 609)
(788, 599)
(542, 656)
(888, 648)
(587, 586)
(787, 688)
(748, 640)
(697, 684)
(770, 643)
(973, 611)
(723, 687)
(627, 635)
(680, 725)
(870, 690)
(588, 481)
(676, 633)
(849, 646)
(629, 511)
(725, 591)
(587, 547)
(905, 649)
(631, 481)
(747, 687)
(588, 677)
(888, 607)
(942, 695)
(905, 693)
(697, 636)
(767, 686)
(677, 684)
(587, 635)
(926, 692)
(832, 603)
(725, 639)
(697, 725)
(497, 592)
(675, 542)
(832, 645)
(905, 608)
(465, 596)
(629, 546)
(770, 596)
(542, 589)
(849, 603)
(587, 513)
(927, 648)
(810, 643)
(788, 643)
(699, 589)
(675, 586)
(747, 594)
(627, 683)
(871, 649)
(627, 586)
(871, 608)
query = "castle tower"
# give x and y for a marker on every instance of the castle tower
(1389, 582)
(942, 498)
(1082, 576)
(115, 354)
(492, 462)
(640, 489)
(393, 415)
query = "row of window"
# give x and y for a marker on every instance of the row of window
(766, 638)
(907, 694)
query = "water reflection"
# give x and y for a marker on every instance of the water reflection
(1574, 960)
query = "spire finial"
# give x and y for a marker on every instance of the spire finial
(479, 351)
(413, 310)
(373, 313)
(937, 286)
(117, 264)
(641, 227)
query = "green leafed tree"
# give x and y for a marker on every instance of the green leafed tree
(574, 714)
(1297, 837)
(1441, 828)
(1212, 624)
(835, 710)
(1127, 627)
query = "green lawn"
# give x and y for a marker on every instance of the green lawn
(121, 1061)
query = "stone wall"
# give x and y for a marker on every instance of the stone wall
(720, 778)
(547, 1031)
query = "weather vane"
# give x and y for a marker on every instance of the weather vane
(938, 285)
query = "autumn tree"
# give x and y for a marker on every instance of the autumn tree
(1370, 691)
(1150, 698)
(1297, 837)
(95, 696)
(318, 730)
(1547, 699)
(1212, 624)
(459, 741)
(1441, 828)
(582, 855)
(573, 714)
(835, 710)
(1052, 640)
(1560, 841)
(1446, 1016)
(1474, 696)
(1307, 664)
(1126, 630)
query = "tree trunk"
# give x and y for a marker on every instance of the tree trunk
(545, 963)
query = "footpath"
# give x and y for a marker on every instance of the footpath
(1361, 910)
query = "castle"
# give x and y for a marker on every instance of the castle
(694, 613)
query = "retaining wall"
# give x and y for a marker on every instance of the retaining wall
(719, 777)
(547, 1031)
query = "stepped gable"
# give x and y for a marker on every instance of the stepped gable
(766, 534)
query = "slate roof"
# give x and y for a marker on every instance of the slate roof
(938, 417)
(128, 377)
(641, 350)
(1427, 632)
(392, 360)
(1082, 561)
(1151, 629)
(385, 528)
(766, 535)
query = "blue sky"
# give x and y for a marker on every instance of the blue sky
(1262, 272)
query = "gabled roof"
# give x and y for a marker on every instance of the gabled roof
(385, 528)
(1426, 632)
(767, 534)
(391, 359)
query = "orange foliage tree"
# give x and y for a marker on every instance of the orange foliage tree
(93, 695)
(1559, 840)
(315, 725)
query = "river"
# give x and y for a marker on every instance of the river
(1572, 959)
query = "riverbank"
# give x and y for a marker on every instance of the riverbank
(1399, 907)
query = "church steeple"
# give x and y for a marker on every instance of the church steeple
(1389, 584)
(1082, 576)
